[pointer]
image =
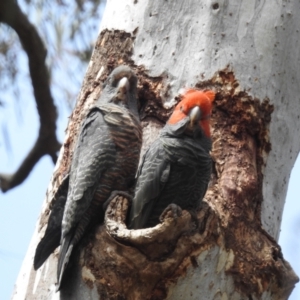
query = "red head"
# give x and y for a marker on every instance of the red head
(191, 99)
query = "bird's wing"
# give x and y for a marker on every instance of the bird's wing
(152, 177)
(94, 153)
(51, 239)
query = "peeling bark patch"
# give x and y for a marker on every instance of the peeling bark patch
(151, 91)
(240, 133)
(259, 265)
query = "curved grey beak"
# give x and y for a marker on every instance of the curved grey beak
(123, 88)
(194, 115)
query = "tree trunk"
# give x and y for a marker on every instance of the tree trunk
(248, 52)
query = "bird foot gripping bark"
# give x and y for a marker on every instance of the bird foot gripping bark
(154, 242)
(115, 194)
(172, 210)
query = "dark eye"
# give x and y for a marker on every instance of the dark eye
(181, 108)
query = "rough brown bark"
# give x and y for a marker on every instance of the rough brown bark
(46, 143)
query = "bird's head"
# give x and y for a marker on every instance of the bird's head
(120, 88)
(193, 112)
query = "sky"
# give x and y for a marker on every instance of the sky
(20, 207)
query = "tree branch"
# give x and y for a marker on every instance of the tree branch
(154, 242)
(47, 143)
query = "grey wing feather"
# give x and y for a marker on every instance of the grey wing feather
(94, 153)
(51, 239)
(152, 176)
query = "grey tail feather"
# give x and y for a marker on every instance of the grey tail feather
(64, 256)
(45, 247)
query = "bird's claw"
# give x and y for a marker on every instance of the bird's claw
(115, 194)
(115, 215)
(171, 211)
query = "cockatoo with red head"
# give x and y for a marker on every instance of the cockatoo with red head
(175, 170)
